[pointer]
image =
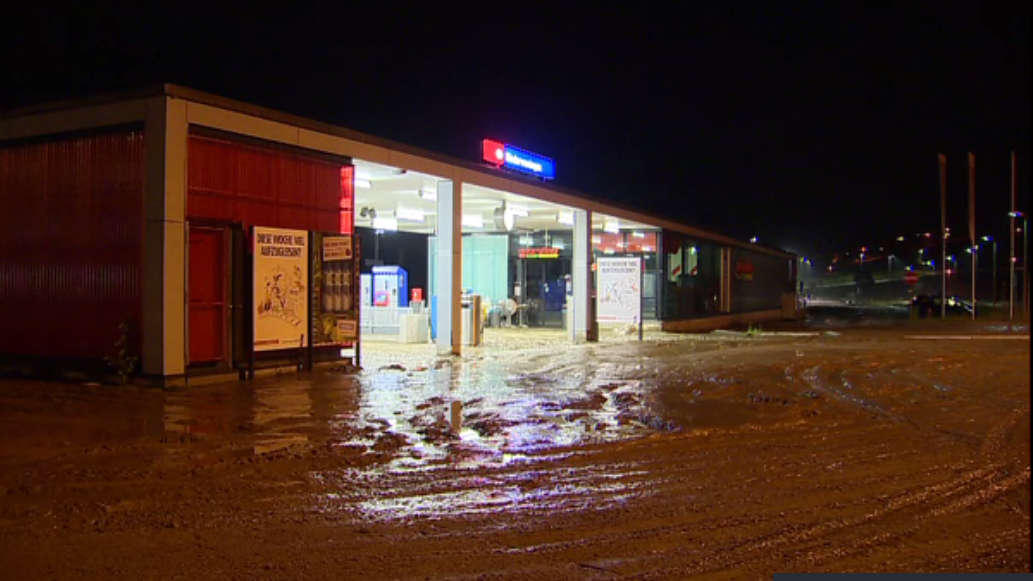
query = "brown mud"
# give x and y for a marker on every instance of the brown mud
(723, 456)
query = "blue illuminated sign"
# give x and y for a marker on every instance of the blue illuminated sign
(517, 159)
(527, 162)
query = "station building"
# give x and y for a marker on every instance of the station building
(202, 235)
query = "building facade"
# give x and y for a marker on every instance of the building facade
(138, 218)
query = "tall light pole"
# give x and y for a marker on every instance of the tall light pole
(993, 242)
(972, 224)
(1011, 241)
(1025, 265)
(943, 235)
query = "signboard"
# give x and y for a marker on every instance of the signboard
(544, 252)
(743, 270)
(512, 157)
(337, 248)
(334, 309)
(619, 297)
(280, 291)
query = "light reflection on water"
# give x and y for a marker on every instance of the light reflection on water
(467, 493)
(512, 425)
(400, 457)
(505, 415)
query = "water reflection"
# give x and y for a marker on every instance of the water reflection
(394, 421)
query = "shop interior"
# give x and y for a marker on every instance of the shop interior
(517, 259)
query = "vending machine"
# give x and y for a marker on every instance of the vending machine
(390, 286)
(366, 290)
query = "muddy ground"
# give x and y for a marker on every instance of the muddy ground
(724, 456)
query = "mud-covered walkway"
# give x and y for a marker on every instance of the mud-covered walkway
(724, 455)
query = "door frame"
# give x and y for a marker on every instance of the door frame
(225, 363)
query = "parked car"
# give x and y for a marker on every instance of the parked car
(929, 305)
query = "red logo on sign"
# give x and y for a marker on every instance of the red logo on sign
(493, 152)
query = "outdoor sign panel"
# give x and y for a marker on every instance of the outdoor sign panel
(619, 289)
(280, 291)
(334, 317)
(542, 252)
(517, 159)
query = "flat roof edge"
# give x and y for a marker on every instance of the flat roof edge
(189, 94)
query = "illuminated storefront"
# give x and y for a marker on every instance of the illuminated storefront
(215, 235)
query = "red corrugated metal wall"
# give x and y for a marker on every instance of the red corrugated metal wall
(71, 244)
(239, 182)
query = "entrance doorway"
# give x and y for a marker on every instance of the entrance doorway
(208, 296)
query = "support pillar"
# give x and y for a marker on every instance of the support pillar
(584, 313)
(164, 261)
(449, 273)
(725, 296)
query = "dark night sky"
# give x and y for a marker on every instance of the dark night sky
(814, 128)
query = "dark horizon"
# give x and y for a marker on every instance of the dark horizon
(816, 132)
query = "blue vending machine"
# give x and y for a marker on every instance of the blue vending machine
(390, 286)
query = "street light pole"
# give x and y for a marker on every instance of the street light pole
(973, 249)
(995, 274)
(1025, 266)
(1011, 240)
(993, 243)
(943, 235)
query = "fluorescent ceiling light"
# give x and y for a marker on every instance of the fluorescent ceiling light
(516, 210)
(428, 194)
(565, 218)
(385, 223)
(611, 226)
(597, 239)
(411, 214)
(362, 183)
(638, 234)
(559, 244)
(526, 240)
(473, 221)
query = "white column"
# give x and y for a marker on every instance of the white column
(164, 277)
(449, 273)
(581, 274)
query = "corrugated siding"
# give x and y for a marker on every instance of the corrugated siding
(245, 183)
(70, 244)
(762, 289)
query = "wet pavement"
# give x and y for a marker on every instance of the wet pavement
(732, 454)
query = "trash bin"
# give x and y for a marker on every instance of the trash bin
(473, 320)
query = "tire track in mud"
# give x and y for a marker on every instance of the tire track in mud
(980, 485)
(740, 553)
(840, 490)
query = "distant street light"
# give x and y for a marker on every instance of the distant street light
(1025, 265)
(753, 239)
(994, 242)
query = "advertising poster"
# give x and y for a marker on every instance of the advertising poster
(280, 288)
(334, 310)
(619, 290)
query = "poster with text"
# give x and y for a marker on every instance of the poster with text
(280, 288)
(333, 310)
(619, 290)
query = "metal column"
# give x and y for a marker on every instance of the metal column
(582, 275)
(449, 267)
